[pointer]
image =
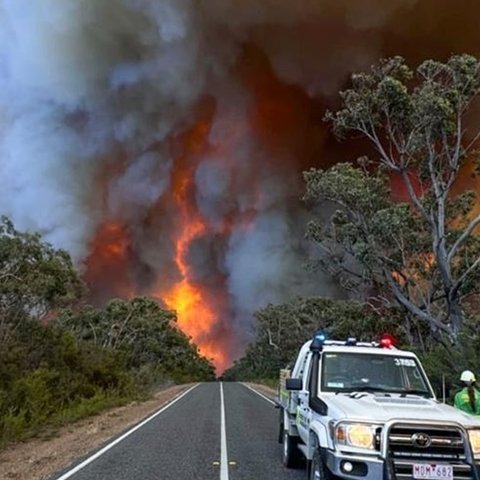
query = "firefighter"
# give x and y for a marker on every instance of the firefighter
(468, 399)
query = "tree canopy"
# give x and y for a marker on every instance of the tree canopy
(35, 278)
(144, 331)
(282, 329)
(419, 252)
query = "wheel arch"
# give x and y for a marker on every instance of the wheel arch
(318, 437)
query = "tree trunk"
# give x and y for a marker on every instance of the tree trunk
(455, 316)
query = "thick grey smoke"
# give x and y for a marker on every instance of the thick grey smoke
(84, 83)
(94, 95)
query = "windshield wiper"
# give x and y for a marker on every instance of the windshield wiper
(366, 388)
(403, 393)
(371, 388)
(422, 393)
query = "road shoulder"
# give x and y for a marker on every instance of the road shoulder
(269, 392)
(38, 459)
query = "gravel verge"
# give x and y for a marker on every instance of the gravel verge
(41, 457)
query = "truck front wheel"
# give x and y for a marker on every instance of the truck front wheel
(317, 470)
(291, 453)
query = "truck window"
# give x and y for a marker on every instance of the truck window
(348, 372)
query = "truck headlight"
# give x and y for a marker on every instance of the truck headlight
(474, 436)
(358, 435)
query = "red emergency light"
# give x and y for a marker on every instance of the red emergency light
(387, 341)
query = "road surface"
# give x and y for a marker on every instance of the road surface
(214, 431)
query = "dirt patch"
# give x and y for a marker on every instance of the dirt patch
(40, 458)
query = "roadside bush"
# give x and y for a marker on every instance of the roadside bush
(445, 362)
(63, 379)
(61, 360)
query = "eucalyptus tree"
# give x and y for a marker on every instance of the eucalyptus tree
(35, 279)
(420, 251)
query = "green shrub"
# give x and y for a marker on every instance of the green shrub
(82, 360)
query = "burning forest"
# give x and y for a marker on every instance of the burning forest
(161, 142)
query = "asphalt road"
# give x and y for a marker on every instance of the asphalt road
(192, 440)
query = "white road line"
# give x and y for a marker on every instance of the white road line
(123, 437)
(223, 441)
(260, 394)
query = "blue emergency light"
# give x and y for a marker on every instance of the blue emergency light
(318, 341)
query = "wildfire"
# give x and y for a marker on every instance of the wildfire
(108, 262)
(196, 317)
(250, 148)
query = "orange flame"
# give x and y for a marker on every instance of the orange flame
(196, 317)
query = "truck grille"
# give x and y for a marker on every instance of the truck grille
(433, 445)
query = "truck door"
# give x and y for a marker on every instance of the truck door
(303, 409)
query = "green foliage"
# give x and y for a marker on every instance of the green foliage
(153, 346)
(444, 362)
(368, 236)
(34, 276)
(59, 367)
(408, 108)
(46, 376)
(421, 255)
(282, 329)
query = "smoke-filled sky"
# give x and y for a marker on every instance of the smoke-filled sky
(161, 142)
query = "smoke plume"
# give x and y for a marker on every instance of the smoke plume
(161, 141)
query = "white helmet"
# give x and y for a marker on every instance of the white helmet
(467, 376)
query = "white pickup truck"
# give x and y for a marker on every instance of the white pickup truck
(359, 410)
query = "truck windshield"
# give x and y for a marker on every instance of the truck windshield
(353, 372)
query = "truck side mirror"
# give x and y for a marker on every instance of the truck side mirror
(294, 384)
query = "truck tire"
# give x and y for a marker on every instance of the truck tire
(291, 454)
(280, 427)
(317, 470)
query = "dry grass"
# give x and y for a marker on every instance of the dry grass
(55, 450)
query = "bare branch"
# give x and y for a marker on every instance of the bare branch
(463, 237)
(414, 197)
(473, 142)
(270, 341)
(466, 273)
(412, 308)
